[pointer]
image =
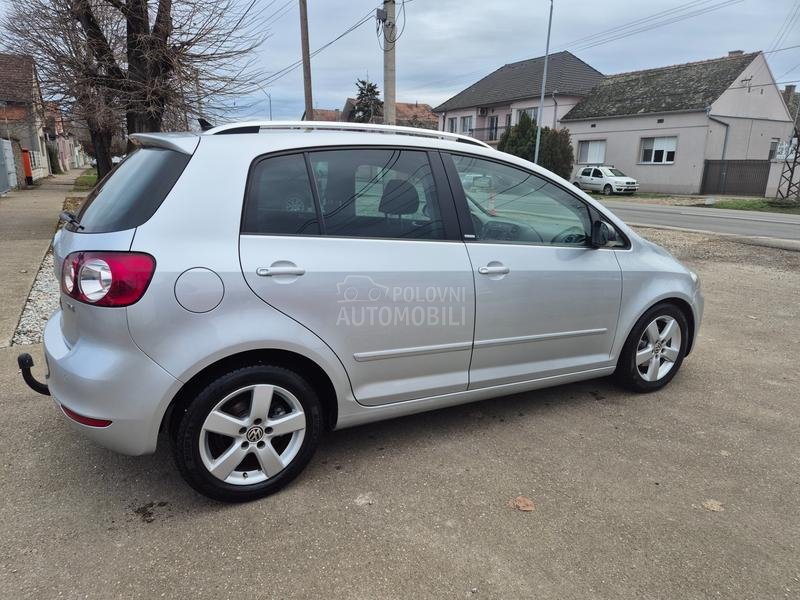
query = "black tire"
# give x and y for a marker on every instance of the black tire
(607, 190)
(186, 444)
(627, 373)
(576, 184)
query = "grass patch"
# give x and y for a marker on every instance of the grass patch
(759, 205)
(85, 180)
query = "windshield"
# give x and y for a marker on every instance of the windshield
(615, 173)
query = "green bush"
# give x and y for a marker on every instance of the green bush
(555, 153)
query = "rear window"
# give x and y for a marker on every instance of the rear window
(131, 193)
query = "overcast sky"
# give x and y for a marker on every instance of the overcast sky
(449, 44)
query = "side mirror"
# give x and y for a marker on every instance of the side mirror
(602, 234)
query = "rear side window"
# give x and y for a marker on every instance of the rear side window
(132, 192)
(279, 198)
(378, 193)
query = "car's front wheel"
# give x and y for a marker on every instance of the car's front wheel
(607, 190)
(248, 433)
(654, 350)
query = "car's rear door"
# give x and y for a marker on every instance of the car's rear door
(361, 246)
(547, 303)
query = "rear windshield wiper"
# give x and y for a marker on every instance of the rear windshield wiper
(68, 217)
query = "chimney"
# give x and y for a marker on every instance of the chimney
(788, 93)
(736, 53)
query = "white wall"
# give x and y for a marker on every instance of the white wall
(623, 137)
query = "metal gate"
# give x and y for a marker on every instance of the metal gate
(735, 177)
(8, 173)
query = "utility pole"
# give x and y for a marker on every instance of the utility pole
(306, 60)
(544, 83)
(389, 72)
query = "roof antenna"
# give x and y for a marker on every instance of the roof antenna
(204, 125)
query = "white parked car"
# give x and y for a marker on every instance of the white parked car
(607, 180)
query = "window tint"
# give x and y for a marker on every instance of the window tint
(377, 193)
(586, 173)
(279, 198)
(132, 192)
(597, 173)
(513, 206)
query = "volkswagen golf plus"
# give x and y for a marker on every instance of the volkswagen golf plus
(245, 289)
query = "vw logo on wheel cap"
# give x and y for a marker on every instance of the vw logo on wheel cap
(254, 434)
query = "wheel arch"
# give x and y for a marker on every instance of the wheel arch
(303, 365)
(679, 303)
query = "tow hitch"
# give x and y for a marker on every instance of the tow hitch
(25, 362)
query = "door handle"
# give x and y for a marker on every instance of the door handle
(275, 271)
(494, 270)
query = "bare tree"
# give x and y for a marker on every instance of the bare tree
(68, 73)
(139, 65)
(188, 56)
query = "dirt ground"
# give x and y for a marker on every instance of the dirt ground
(690, 492)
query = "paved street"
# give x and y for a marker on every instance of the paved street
(690, 492)
(718, 220)
(28, 221)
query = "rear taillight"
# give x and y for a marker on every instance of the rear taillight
(107, 278)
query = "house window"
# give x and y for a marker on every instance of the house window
(592, 152)
(773, 148)
(658, 150)
(451, 124)
(491, 133)
(508, 120)
(466, 124)
(531, 112)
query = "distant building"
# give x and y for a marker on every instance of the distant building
(710, 127)
(69, 150)
(408, 114)
(491, 105)
(22, 116)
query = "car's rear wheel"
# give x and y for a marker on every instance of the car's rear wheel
(654, 350)
(248, 433)
(576, 184)
(607, 190)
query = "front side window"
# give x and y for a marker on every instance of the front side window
(591, 152)
(658, 150)
(509, 205)
(596, 173)
(466, 124)
(377, 193)
(279, 198)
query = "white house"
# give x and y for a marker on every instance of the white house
(488, 107)
(712, 126)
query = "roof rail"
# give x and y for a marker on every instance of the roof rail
(258, 126)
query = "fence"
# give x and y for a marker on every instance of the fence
(735, 177)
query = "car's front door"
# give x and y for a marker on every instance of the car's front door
(547, 303)
(361, 246)
(597, 179)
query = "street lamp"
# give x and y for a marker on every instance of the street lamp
(544, 83)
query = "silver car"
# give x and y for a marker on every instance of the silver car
(246, 289)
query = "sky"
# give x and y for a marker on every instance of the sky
(449, 44)
(446, 45)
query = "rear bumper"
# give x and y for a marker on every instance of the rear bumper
(117, 383)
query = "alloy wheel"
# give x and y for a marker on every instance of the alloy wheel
(658, 348)
(252, 434)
